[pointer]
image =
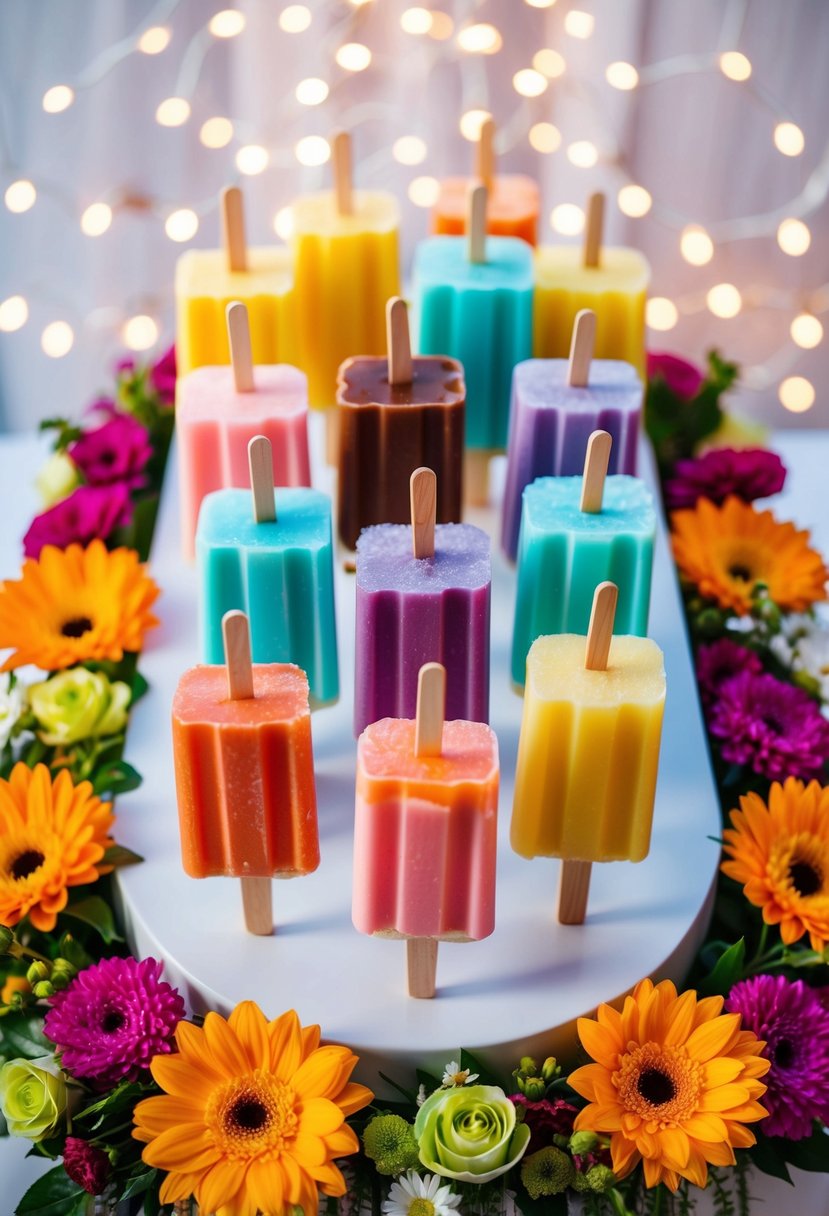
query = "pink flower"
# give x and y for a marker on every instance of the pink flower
(682, 378)
(163, 376)
(116, 451)
(545, 1118)
(750, 473)
(85, 1164)
(720, 661)
(89, 513)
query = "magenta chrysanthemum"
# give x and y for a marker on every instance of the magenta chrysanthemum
(721, 661)
(113, 1019)
(118, 450)
(545, 1119)
(684, 379)
(774, 728)
(89, 513)
(87, 1165)
(749, 474)
(795, 1026)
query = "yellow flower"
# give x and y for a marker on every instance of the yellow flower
(33, 1097)
(53, 835)
(780, 852)
(673, 1084)
(253, 1115)
(76, 604)
(78, 704)
(725, 550)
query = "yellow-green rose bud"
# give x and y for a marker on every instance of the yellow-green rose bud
(78, 704)
(57, 479)
(38, 971)
(43, 989)
(6, 939)
(32, 1097)
(470, 1133)
(550, 1069)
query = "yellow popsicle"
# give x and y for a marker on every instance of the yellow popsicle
(587, 757)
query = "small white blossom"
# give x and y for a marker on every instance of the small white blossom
(12, 702)
(421, 1095)
(453, 1074)
(409, 1188)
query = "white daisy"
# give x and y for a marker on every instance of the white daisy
(412, 1195)
(12, 703)
(453, 1074)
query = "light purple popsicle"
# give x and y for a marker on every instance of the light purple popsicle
(550, 423)
(412, 611)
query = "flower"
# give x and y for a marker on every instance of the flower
(773, 727)
(547, 1172)
(53, 835)
(412, 1195)
(85, 1164)
(684, 379)
(116, 451)
(77, 604)
(389, 1141)
(803, 646)
(453, 1074)
(726, 550)
(163, 376)
(88, 513)
(780, 853)
(795, 1026)
(58, 477)
(12, 704)
(32, 1097)
(113, 1019)
(255, 1114)
(720, 661)
(470, 1133)
(673, 1082)
(78, 704)
(545, 1119)
(749, 474)
(13, 984)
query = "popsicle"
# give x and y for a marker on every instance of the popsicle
(613, 281)
(219, 409)
(425, 830)
(276, 563)
(512, 202)
(346, 265)
(423, 594)
(207, 280)
(245, 773)
(394, 416)
(474, 303)
(576, 533)
(556, 404)
(588, 752)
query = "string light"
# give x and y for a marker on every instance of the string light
(283, 223)
(181, 225)
(544, 137)
(540, 3)
(57, 339)
(58, 98)
(735, 65)
(480, 39)
(353, 56)
(583, 154)
(295, 18)
(14, 313)
(529, 83)
(96, 219)
(140, 333)
(579, 24)
(216, 132)
(661, 313)
(416, 21)
(634, 201)
(312, 91)
(442, 26)
(696, 245)
(788, 139)
(424, 191)
(797, 394)
(793, 237)
(409, 150)
(252, 159)
(568, 219)
(312, 150)
(724, 301)
(621, 75)
(471, 123)
(173, 112)
(549, 62)
(20, 195)
(226, 24)
(154, 40)
(806, 331)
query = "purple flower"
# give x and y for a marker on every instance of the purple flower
(721, 661)
(750, 474)
(116, 451)
(163, 376)
(545, 1119)
(85, 1164)
(773, 727)
(684, 379)
(89, 513)
(113, 1019)
(795, 1027)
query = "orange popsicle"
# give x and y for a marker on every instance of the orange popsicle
(512, 199)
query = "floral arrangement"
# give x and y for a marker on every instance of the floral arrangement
(101, 1070)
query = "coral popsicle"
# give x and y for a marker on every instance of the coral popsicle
(512, 205)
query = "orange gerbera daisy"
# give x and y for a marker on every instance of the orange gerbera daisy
(780, 852)
(254, 1114)
(726, 550)
(53, 835)
(72, 605)
(674, 1082)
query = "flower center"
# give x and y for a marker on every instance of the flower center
(112, 1021)
(655, 1087)
(248, 1114)
(77, 627)
(659, 1084)
(772, 723)
(804, 877)
(26, 863)
(252, 1116)
(783, 1053)
(421, 1207)
(739, 571)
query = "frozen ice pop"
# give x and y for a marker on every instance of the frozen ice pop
(425, 830)
(245, 773)
(588, 752)
(611, 281)
(570, 543)
(274, 562)
(556, 404)
(207, 280)
(395, 415)
(219, 409)
(423, 595)
(512, 202)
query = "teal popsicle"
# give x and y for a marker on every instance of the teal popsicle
(278, 571)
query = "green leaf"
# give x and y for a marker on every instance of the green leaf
(118, 855)
(116, 778)
(21, 1035)
(545, 1205)
(72, 950)
(116, 1103)
(55, 1194)
(407, 1093)
(139, 1183)
(95, 912)
(427, 1080)
(139, 687)
(485, 1077)
(727, 972)
(765, 1154)
(810, 1154)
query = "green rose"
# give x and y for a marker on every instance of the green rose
(470, 1133)
(32, 1096)
(78, 704)
(57, 479)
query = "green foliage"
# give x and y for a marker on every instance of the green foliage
(677, 426)
(55, 1194)
(728, 970)
(97, 913)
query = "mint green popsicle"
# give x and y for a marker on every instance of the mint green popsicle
(564, 553)
(280, 573)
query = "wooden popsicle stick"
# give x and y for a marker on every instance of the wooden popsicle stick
(256, 892)
(233, 228)
(596, 461)
(573, 889)
(476, 224)
(593, 230)
(485, 160)
(422, 960)
(260, 463)
(241, 356)
(341, 156)
(397, 341)
(431, 703)
(581, 348)
(476, 477)
(423, 496)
